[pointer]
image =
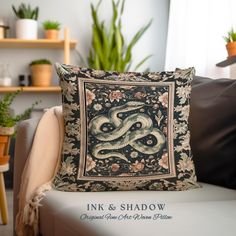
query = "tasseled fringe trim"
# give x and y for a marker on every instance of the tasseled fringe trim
(27, 219)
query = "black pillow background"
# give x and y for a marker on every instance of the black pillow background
(212, 123)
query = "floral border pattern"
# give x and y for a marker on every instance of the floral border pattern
(66, 178)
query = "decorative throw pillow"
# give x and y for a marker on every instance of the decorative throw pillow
(125, 131)
(213, 130)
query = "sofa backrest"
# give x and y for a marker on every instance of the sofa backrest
(213, 130)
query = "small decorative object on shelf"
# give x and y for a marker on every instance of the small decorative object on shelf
(3, 29)
(29, 80)
(7, 123)
(5, 78)
(41, 72)
(26, 25)
(22, 81)
(52, 29)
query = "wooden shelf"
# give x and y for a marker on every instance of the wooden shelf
(65, 45)
(229, 61)
(38, 43)
(34, 89)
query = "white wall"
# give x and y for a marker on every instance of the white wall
(75, 14)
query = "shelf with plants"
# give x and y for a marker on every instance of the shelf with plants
(27, 37)
(65, 44)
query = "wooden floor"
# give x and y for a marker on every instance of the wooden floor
(7, 230)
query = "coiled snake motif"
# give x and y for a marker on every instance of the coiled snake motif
(122, 136)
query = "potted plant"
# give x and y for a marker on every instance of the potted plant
(26, 25)
(8, 122)
(41, 72)
(109, 50)
(231, 43)
(52, 29)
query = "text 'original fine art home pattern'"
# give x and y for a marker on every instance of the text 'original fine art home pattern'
(125, 131)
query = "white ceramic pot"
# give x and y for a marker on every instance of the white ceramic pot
(26, 29)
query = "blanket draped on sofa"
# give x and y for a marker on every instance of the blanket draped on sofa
(40, 168)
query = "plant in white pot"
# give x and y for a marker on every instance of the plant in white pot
(26, 25)
(52, 29)
(41, 72)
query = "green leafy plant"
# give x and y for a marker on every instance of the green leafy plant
(7, 119)
(109, 50)
(48, 25)
(41, 62)
(231, 37)
(26, 12)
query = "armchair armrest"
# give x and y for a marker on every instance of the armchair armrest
(24, 140)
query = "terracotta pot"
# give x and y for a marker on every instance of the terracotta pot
(3, 145)
(4, 159)
(231, 48)
(41, 75)
(5, 137)
(51, 34)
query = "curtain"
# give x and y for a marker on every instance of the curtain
(195, 35)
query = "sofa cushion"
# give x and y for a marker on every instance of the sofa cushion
(213, 130)
(201, 208)
(125, 131)
(195, 218)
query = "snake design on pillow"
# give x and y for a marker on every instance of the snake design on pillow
(122, 136)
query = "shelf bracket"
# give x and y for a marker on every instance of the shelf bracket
(66, 46)
(229, 61)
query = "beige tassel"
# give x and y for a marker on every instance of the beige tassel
(27, 219)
